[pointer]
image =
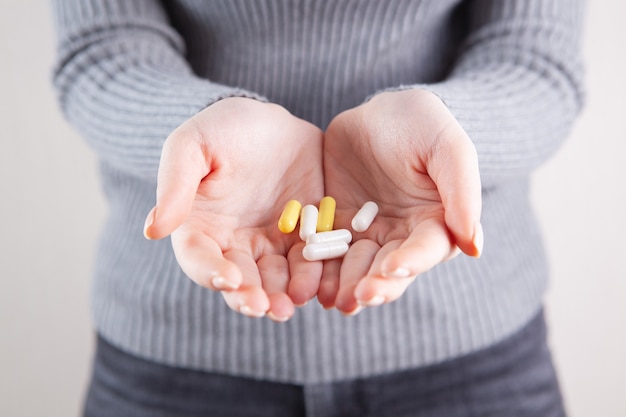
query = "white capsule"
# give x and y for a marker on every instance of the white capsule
(324, 250)
(308, 221)
(339, 234)
(365, 216)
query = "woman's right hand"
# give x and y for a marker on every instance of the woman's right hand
(225, 176)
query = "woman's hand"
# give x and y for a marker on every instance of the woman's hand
(405, 151)
(224, 178)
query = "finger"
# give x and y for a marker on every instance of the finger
(354, 266)
(250, 298)
(183, 165)
(200, 257)
(428, 245)
(375, 289)
(453, 166)
(305, 276)
(329, 283)
(274, 272)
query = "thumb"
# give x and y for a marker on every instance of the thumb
(453, 166)
(183, 165)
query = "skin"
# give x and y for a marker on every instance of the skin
(410, 156)
(226, 174)
(224, 178)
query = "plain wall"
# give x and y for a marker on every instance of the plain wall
(52, 211)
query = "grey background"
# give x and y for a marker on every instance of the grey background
(51, 210)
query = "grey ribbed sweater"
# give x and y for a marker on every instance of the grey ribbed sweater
(129, 72)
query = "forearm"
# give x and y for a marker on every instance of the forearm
(516, 87)
(123, 81)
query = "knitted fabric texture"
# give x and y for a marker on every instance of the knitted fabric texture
(129, 72)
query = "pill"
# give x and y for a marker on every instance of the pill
(339, 234)
(308, 221)
(326, 216)
(324, 250)
(364, 217)
(289, 217)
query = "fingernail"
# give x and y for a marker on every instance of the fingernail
(274, 317)
(373, 302)
(148, 223)
(354, 312)
(398, 273)
(478, 240)
(247, 311)
(220, 283)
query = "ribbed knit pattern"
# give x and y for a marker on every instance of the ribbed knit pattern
(129, 72)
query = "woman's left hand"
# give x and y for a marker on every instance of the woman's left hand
(405, 151)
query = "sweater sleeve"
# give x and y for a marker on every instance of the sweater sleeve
(123, 81)
(516, 87)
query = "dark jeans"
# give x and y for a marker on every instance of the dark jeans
(514, 378)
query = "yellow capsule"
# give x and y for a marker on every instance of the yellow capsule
(289, 217)
(326, 216)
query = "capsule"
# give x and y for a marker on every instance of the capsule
(339, 234)
(289, 217)
(308, 221)
(364, 217)
(326, 216)
(324, 250)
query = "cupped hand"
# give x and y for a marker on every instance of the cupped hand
(224, 178)
(405, 151)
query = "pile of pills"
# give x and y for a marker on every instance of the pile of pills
(316, 227)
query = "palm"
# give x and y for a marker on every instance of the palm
(387, 156)
(239, 172)
(243, 223)
(226, 174)
(407, 199)
(403, 204)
